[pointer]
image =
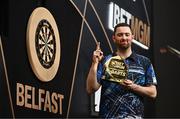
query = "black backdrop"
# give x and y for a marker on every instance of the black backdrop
(74, 64)
(17, 63)
(166, 33)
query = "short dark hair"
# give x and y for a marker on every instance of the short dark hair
(119, 25)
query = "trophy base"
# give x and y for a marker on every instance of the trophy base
(116, 80)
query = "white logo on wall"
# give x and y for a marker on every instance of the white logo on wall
(43, 44)
(140, 29)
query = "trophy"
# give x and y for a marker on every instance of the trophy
(115, 69)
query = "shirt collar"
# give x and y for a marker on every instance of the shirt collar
(131, 57)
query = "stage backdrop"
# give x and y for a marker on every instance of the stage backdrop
(46, 52)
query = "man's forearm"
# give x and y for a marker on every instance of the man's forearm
(149, 91)
(91, 83)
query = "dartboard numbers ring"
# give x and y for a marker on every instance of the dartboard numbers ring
(43, 44)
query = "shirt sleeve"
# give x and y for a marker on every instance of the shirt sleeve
(99, 72)
(150, 76)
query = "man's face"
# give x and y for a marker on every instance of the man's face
(123, 37)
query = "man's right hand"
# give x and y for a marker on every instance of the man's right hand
(97, 54)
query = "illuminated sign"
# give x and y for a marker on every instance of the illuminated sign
(140, 29)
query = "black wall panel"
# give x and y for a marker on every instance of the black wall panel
(81, 24)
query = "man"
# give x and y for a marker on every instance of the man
(125, 98)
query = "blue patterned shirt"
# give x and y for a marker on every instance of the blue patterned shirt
(117, 102)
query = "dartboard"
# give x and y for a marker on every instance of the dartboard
(43, 44)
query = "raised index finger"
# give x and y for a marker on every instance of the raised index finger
(98, 46)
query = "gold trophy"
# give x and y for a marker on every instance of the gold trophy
(115, 69)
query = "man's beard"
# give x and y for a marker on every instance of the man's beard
(123, 47)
